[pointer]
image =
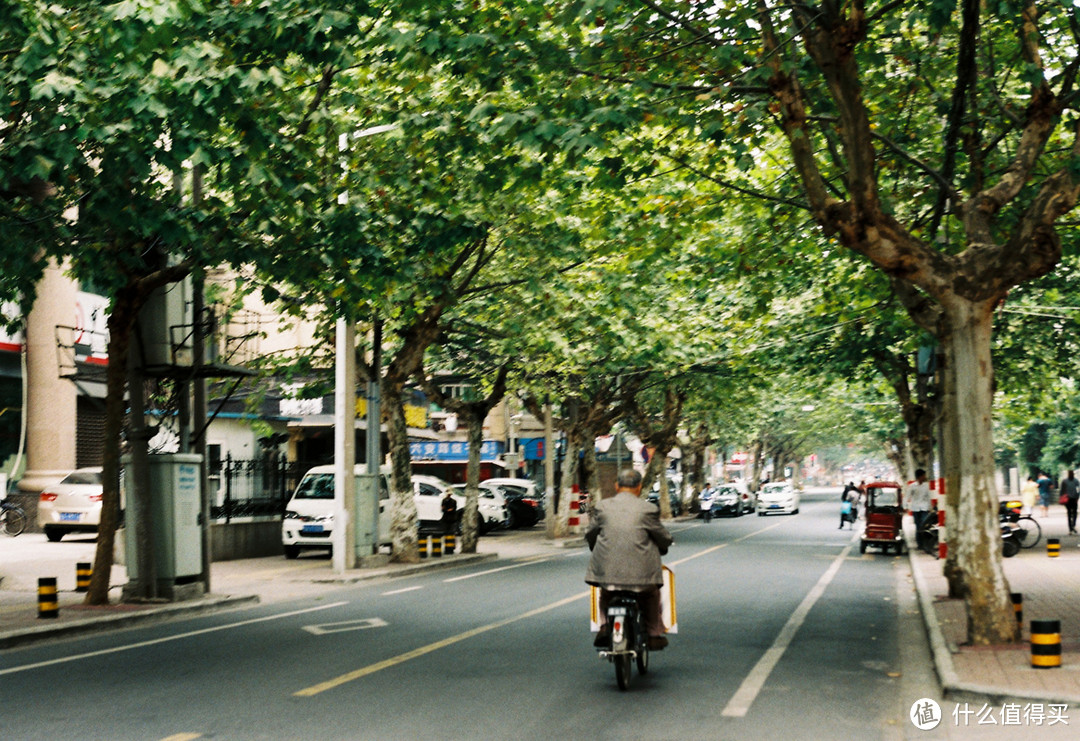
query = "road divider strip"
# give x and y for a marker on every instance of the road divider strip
(429, 648)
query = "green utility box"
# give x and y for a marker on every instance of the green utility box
(175, 506)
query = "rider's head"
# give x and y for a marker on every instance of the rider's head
(629, 480)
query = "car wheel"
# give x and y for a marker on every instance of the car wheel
(292, 551)
(54, 534)
(862, 546)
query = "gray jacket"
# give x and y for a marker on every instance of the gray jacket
(627, 540)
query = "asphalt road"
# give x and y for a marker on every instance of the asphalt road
(785, 631)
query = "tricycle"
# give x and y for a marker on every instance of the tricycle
(884, 517)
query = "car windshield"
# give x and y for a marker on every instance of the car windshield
(775, 488)
(83, 477)
(886, 497)
(727, 491)
(316, 486)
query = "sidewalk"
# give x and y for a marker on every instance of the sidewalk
(1001, 674)
(233, 584)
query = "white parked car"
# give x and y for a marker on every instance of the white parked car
(428, 492)
(71, 506)
(778, 497)
(489, 501)
(309, 515)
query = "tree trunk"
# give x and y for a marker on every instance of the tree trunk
(471, 517)
(977, 544)
(592, 473)
(403, 517)
(120, 321)
(569, 479)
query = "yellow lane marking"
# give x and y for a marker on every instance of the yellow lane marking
(418, 652)
(183, 737)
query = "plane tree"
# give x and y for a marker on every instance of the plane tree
(108, 110)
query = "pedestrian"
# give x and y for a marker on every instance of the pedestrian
(1070, 492)
(919, 499)
(1029, 492)
(1045, 484)
(449, 514)
(849, 500)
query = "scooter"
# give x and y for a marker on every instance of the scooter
(629, 638)
(1010, 539)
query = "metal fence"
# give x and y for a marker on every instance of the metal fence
(258, 487)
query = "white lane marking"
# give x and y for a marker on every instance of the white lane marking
(167, 639)
(493, 571)
(401, 591)
(740, 703)
(345, 626)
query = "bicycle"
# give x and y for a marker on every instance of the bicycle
(1028, 530)
(12, 518)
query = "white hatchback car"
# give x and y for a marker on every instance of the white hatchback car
(71, 506)
(778, 497)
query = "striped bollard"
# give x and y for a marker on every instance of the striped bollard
(1045, 644)
(575, 510)
(1053, 547)
(422, 545)
(1018, 606)
(48, 607)
(943, 546)
(83, 572)
(436, 547)
(449, 544)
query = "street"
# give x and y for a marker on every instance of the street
(782, 626)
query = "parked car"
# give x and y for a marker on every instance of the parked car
(309, 516)
(778, 497)
(71, 506)
(673, 496)
(490, 504)
(428, 493)
(732, 500)
(524, 502)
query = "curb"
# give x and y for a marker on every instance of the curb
(428, 564)
(100, 623)
(951, 685)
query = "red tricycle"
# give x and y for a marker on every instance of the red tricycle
(884, 517)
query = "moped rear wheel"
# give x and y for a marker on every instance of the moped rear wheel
(623, 670)
(1029, 532)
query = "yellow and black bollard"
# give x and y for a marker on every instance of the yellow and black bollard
(1018, 606)
(83, 572)
(1045, 644)
(48, 607)
(436, 547)
(422, 544)
(449, 544)
(1053, 547)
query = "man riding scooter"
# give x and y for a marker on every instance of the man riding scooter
(627, 541)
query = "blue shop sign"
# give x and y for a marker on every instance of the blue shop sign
(452, 451)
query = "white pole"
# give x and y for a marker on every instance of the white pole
(344, 532)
